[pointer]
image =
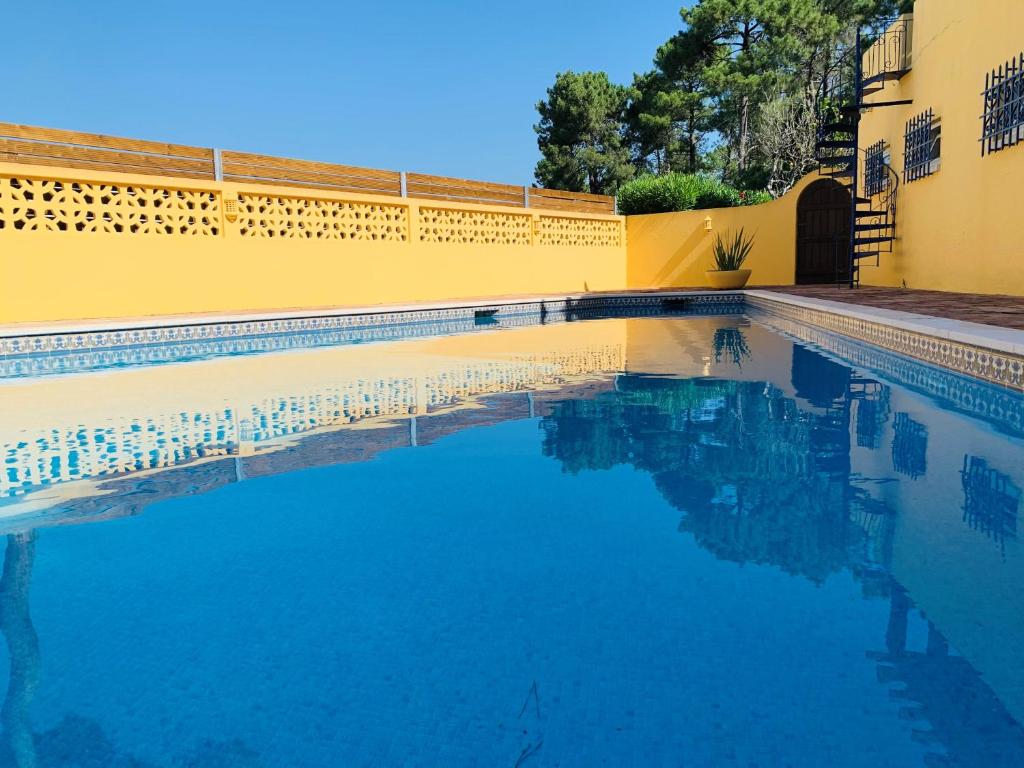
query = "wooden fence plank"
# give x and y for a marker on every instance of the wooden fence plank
(240, 160)
(448, 181)
(35, 133)
(463, 190)
(92, 151)
(562, 200)
(419, 190)
(73, 155)
(10, 157)
(570, 206)
(465, 195)
(268, 174)
(351, 186)
(566, 195)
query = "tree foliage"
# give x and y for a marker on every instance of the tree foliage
(731, 93)
(581, 134)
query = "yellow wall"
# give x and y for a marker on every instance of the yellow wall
(959, 229)
(673, 250)
(394, 249)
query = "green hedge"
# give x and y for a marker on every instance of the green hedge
(682, 192)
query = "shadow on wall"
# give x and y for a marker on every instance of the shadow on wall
(683, 258)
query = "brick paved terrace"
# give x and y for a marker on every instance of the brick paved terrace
(1000, 311)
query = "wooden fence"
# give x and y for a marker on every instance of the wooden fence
(72, 149)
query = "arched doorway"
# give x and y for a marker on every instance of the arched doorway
(822, 233)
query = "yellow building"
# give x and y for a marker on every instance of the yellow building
(937, 207)
(958, 204)
(93, 227)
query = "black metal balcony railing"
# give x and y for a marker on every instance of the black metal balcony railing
(1002, 124)
(889, 56)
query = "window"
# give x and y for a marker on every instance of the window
(1002, 124)
(922, 144)
(876, 180)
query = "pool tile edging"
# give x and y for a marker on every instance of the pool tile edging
(994, 355)
(1000, 405)
(107, 335)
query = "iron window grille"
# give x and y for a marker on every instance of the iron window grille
(909, 447)
(922, 145)
(1002, 124)
(876, 180)
(991, 500)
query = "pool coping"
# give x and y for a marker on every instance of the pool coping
(991, 354)
(987, 352)
(991, 337)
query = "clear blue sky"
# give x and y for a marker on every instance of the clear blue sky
(443, 87)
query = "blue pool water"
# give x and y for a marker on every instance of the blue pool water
(678, 541)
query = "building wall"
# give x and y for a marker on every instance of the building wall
(958, 229)
(80, 244)
(675, 250)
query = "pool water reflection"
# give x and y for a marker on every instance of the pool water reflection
(649, 541)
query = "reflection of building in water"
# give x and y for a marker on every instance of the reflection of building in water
(766, 480)
(909, 447)
(757, 478)
(115, 444)
(957, 713)
(991, 501)
(130, 493)
(872, 400)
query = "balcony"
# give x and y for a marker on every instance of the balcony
(888, 58)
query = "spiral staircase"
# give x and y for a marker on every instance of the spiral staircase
(878, 57)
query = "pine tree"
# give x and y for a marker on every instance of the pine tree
(581, 134)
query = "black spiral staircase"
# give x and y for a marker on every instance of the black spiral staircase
(879, 56)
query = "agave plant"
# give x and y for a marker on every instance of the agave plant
(731, 252)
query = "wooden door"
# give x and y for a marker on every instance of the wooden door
(822, 233)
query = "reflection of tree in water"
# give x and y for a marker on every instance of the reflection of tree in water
(75, 742)
(959, 715)
(991, 501)
(757, 479)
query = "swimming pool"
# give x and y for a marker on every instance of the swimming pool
(648, 541)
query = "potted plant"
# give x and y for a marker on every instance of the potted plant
(730, 254)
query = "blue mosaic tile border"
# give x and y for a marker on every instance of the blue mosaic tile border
(994, 366)
(34, 355)
(996, 404)
(40, 355)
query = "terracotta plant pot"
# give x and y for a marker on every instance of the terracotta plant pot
(728, 280)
